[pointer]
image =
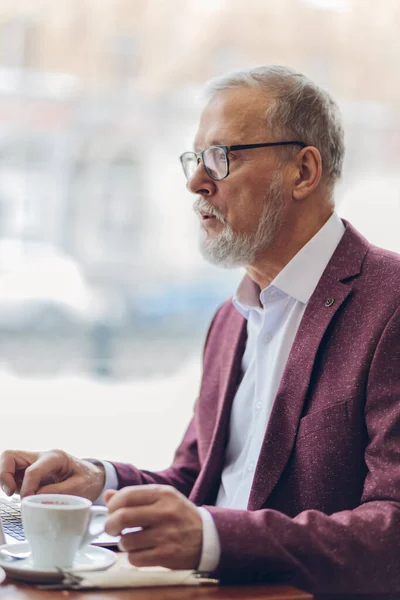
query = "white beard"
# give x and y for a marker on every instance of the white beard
(231, 249)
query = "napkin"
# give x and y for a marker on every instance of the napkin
(124, 575)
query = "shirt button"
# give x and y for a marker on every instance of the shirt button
(258, 405)
(267, 338)
(250, 467)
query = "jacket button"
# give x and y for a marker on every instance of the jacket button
(329, 302)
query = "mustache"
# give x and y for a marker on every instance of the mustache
(201, 205)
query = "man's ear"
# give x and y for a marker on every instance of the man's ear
(308, 172)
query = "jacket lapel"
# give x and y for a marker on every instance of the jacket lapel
(287, 409)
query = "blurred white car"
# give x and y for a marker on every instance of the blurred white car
(41, 288)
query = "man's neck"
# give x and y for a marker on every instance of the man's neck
(282, 250)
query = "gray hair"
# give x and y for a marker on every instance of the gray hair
(301, 109)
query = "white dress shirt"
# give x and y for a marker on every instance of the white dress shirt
(273, 317)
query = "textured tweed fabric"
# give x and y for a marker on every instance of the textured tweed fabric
(324, 509)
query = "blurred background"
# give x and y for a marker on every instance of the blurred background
(104, 297)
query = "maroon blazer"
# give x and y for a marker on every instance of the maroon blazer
(324, 508)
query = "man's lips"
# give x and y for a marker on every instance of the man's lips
(205, 216)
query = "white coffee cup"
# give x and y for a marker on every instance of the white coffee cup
(56, 526)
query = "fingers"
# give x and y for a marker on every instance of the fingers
(162, 556)
(139, 495)
(12, 462)
(68, 486)
(137, 541)
(140, 506)
(172, 531)
(108, 494)
(48, 463)
(151, 557)
(151, 547)
(126, 518)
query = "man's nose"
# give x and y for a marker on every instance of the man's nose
(201, 183)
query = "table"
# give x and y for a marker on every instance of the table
(10, 590)
(14, 590)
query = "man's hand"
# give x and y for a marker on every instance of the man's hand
(172, 531)
(53, 472)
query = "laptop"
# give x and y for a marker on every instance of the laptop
(11, 529)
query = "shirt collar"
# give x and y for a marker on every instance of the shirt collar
(300, 276)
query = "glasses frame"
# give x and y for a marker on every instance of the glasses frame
(226, 149)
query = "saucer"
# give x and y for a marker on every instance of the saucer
(89, 558)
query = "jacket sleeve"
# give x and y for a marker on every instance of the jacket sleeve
(352, 551)
(181, 474)
(185, 468)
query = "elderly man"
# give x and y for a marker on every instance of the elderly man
(290, 468)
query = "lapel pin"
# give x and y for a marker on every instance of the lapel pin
(329, 302)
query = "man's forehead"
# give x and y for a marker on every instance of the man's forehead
(231, 116)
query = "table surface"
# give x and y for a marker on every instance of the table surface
(15, 590)
(18, 591)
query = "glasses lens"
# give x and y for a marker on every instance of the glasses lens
(189, 164)
(215, 162)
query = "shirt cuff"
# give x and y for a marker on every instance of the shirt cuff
(211, 548)
(111, 482)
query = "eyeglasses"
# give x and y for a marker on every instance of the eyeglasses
(216, 161)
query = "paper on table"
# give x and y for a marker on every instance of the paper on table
(123, 575)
